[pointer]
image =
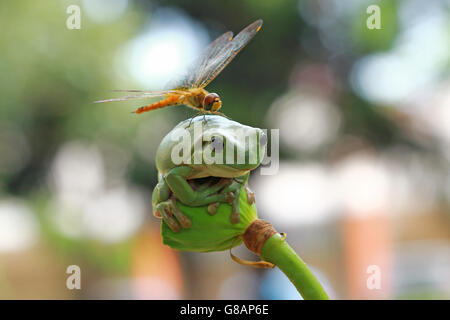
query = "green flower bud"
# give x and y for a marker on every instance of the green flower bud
(210, 232)
(216, 233)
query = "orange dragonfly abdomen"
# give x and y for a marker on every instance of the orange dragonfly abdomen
(170, 100)
(192, 98)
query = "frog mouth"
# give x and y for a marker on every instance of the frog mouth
(239, 167)
(227, 171)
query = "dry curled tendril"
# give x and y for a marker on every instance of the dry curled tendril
(254, 238)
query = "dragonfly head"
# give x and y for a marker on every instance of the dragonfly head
(212, 102)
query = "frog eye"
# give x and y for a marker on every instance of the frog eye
(263, 139)
(216, 144)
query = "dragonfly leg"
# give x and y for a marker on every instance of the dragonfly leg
(220, 114)
(190, 122)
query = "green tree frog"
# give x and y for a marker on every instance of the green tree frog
(197, 150)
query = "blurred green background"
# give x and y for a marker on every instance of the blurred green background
(364, 119)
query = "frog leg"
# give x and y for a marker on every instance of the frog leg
(171, 215)
(230, 198)
(250, 194)
(164, 210)
(213, 207)
(182, 219)
(235, 212)
(161, 193)
(165, 207)
(233, 192)
(183, 191)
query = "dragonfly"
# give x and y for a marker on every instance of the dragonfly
(190, 90)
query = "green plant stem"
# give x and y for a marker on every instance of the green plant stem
(277, 251)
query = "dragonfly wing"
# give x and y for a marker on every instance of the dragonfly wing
(194, 72)
(221, 59)
(129, 90)
(142, 95)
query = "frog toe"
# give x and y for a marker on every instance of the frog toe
(181, 217)
(212, 208)
(171, 222)
(250, 195)
(165, 211)
(235, 216)
(235, 213)
(230, 196)
(157, 213)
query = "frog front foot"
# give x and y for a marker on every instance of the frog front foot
(169, 212)
(228, 198)
(250, 195)
(213, 207)
(232, 194)
(233, 199)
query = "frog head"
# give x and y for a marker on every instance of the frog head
(217, 147)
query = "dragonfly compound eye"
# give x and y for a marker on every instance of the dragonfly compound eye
(212, 102)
